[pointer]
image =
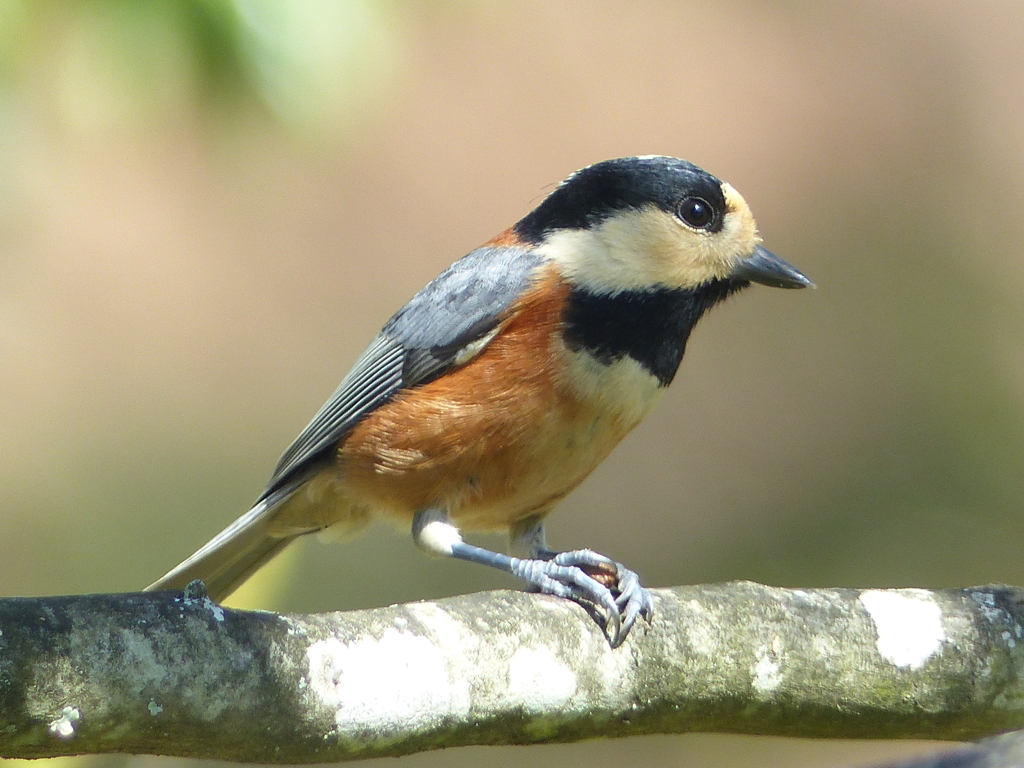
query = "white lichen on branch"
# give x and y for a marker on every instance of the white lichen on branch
(177, 674)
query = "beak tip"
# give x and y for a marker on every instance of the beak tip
(804, 282)
(766, 268)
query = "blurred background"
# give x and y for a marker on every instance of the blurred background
(209, 207)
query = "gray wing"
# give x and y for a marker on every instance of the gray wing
(419, 343)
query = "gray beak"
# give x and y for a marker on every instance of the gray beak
(764, 267)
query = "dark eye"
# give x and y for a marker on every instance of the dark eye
(696, 212)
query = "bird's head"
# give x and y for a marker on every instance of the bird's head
(652, 222)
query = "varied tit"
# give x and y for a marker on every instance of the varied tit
(501, 385)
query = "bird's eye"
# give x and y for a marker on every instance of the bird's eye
(696, 212)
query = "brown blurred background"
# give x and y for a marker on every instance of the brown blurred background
(208, 207)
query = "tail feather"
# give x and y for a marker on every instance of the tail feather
(232, 555)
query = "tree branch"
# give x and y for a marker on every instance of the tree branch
(176, 674)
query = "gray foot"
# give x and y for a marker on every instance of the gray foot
(596, 582)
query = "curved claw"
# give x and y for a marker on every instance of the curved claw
(570, 582)
(607, 590)
(585, 576)
(633, 599)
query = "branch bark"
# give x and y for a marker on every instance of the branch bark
(174, 674)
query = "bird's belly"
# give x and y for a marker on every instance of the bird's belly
(486, 474)
(533, 477)
(492, 460)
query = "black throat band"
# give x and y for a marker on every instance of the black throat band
(649, 326)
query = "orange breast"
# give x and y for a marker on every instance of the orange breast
(503, 437)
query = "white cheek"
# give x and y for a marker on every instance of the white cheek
(586, 261)
(738, 235)
(739, 230)
(637, 250)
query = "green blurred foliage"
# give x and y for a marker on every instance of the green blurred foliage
(311, 63)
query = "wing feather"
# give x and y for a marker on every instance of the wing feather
(375, 377)
(423, 340)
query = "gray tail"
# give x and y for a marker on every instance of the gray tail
(232, 555)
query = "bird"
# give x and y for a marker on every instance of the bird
(504, 382)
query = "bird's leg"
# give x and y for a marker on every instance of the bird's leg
(527, 537)
(576, 576)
